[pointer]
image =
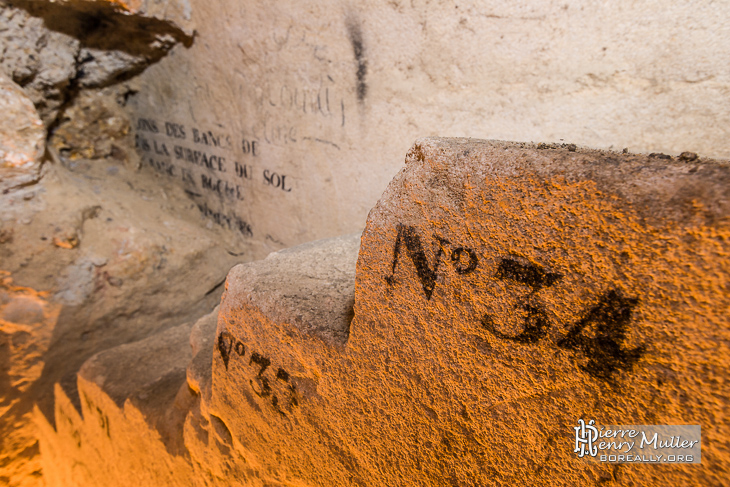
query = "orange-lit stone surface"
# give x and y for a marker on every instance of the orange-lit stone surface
(501, 292)
(27, 321)
(114, 268)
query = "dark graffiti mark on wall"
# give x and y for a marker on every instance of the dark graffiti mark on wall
(283, 376)
(249, 147)
(175, 130)
(211, 139)
(243, 171)
(354, 31)
(608, 320)
(147, 125)
(319, 99)
(224, 350)
(463, 259)
(63, 415)
(178, 131)
(204, 172)
(222, 187)
(103, 418)
(535, 325)
(178, 160)
(281, 108)
(321, 141)
(260, 384)
(264, 389)
(200, 158)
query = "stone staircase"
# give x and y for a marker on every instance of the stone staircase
(499, 293)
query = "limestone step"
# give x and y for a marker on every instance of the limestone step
(135, 400)
(145, 405)
(499, 293)
(311, 286)
(504, 291)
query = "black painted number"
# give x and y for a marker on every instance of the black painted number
(260, 384)
(263, 363)
(609, 319)
(535, 326)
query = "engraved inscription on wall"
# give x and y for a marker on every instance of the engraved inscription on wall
(221, 170)
(205, 162)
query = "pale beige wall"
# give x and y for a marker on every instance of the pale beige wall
(652, 76)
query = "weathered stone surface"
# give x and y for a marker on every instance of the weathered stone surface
(55, 49)
(40, 59)
(136, 424)
(22, 138)
(93, 127)
(176, 13)
(134, 399)
(100, 244)
(202, 341)
(148, 374)
(310, 104)
(311, 285)
(137, 407)
(503, 292)
(27, 320)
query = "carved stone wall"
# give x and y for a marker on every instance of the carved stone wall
(499, 293)
(285, 121)
(172, 140)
